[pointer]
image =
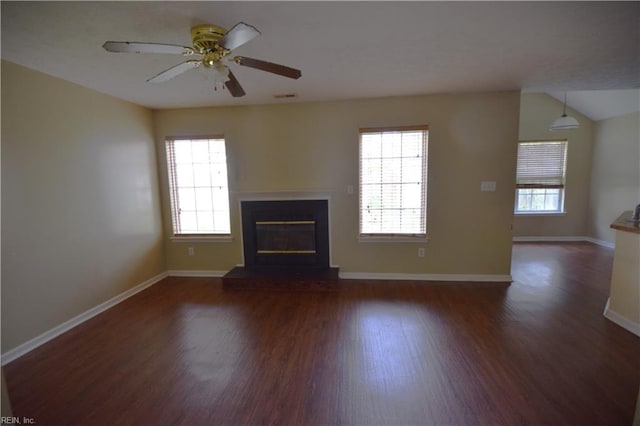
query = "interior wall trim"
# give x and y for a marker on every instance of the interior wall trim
(622, 321)
(40, 340)
(426, 277)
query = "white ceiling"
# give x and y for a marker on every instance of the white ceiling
(344, 49)
(602, 104)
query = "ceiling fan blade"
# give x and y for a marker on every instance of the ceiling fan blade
(238, 35)
(174, 71)
(135, 47)
(268, 66)
(234, 86)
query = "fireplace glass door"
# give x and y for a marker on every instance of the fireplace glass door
(286, 237)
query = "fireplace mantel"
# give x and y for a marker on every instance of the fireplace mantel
(284, 195)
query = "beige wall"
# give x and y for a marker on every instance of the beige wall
(80, 207)
(314, 146)
(615, 173)
(537, 112)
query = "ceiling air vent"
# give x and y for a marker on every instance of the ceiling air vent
(285, 96)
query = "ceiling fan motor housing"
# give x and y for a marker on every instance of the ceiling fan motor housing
(205, 38)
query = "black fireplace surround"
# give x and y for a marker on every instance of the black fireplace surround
(286, 234)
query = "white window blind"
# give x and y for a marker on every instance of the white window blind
(393, 178)
(541, 164)
(198, 186)
(540, 176)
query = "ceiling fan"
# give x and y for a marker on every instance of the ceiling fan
(215, 44)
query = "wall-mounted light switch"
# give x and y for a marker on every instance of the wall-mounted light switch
(488, 186)
(191, 251)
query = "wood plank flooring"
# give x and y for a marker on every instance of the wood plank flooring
(184, 352)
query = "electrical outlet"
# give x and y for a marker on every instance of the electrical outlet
(421, 252)
(191, 251)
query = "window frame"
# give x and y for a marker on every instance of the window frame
(173, 194)
(418, 237)
(559, 185)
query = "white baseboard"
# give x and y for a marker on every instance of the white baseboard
(602, 243)
(425, 277)
(563, 239)
(196, 273)
(623, 322)
(30, 345)
(370, 276)
(546, 239)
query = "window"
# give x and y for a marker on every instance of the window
(198, 186)
(393, 179)
(540, 176)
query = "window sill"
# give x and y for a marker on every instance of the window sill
(548, 214)
(381, 239)
(202, 239)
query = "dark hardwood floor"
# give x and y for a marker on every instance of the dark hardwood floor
(184, 352)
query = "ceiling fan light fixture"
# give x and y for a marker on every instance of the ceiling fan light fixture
(564, 122)
(220, 73)
(216, 74)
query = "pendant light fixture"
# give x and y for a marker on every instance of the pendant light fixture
(565, 122)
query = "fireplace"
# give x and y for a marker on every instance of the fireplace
(285, 234)
(286, 247)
